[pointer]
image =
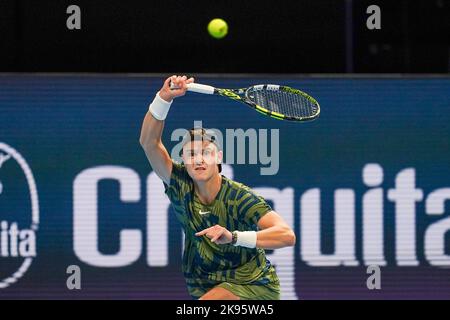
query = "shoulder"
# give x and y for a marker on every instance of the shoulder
(178, 168)
(248, 205)
(180, 181)
(179, 171)
(233, 185)
(238, 190)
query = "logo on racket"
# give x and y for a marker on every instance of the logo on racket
(19, 216)
(229, 94)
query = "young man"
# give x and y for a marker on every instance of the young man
(227, 226)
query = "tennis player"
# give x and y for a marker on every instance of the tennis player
(227, 226)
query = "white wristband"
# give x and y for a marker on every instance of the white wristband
(159, 108)
(246, 239)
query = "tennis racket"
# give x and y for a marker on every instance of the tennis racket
(279, 102)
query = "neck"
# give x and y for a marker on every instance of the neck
(208, 190)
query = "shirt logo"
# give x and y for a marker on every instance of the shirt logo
(203, 212)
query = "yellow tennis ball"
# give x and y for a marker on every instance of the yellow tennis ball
(218, 28)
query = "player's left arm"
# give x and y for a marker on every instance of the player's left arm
(274, 232)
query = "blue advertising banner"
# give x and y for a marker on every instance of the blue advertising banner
(365, 187)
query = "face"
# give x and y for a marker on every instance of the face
(201, 159)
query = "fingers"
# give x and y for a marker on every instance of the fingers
(203, 232)
(209, 232)
(167, 82)
(214, 233)
(168, 93)
(175, 86)
(190, 80)
(178, 81)
(218, 235)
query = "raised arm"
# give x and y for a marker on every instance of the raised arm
(153, 125)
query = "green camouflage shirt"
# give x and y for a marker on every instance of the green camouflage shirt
(236, 207)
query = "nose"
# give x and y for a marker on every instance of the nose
(199, 158)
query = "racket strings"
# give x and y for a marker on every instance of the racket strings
(288, 104)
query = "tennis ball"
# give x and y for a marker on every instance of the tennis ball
(218, 28)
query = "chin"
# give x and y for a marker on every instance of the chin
(201, 176)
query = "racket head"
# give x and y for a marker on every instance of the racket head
(280, 102)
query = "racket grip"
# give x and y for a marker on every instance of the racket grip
(196, 87)
(200, 88)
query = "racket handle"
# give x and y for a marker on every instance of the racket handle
(200, 88)
(196, 87)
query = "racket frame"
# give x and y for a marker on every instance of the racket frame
(242, 95)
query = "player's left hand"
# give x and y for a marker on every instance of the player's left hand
(217, 234)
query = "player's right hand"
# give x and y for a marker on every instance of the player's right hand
(180, 82)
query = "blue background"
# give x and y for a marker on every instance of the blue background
(67, 123)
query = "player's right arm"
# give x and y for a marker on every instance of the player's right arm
(152, 128)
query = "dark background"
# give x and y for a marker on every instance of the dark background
(298, 36)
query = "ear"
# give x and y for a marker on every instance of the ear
(219, 157)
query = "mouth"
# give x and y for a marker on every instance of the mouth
(200, 169)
